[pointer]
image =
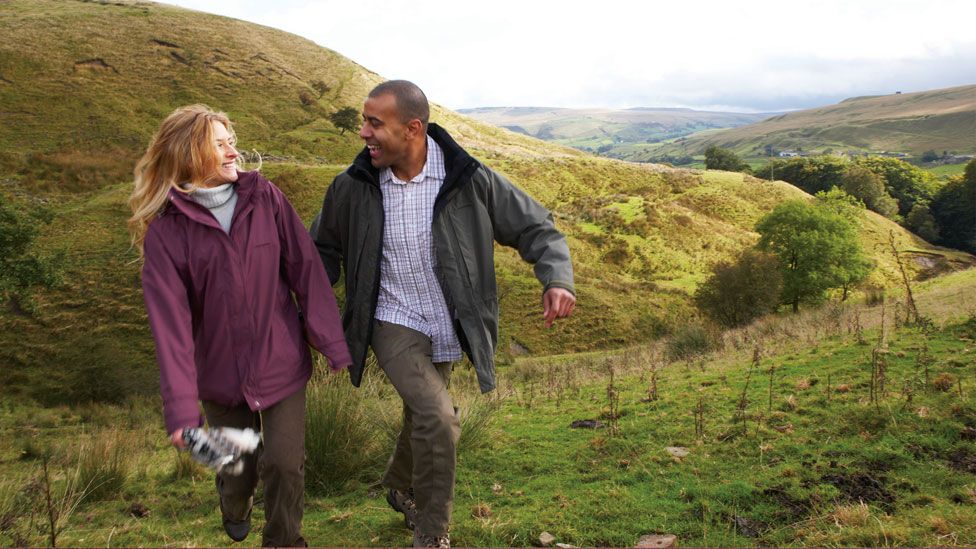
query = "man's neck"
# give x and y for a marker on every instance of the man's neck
(414, 164)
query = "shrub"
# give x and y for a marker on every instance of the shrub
(691, 340)
(348, 434)
(944, 381)
(103, 465)
(739, 292)
(717, 158)
(869, 187)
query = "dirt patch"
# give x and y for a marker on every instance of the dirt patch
(94, 65)
(789, 508)
(861, 487)
(166, 44)
(963, 459)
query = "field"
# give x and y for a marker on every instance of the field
(722, 447)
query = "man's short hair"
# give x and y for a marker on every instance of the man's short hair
(410, 100)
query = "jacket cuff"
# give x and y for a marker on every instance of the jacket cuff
(568, 286)
(182, 414)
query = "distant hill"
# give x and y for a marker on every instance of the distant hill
(84, 85)
(912, 123)
(617, 133)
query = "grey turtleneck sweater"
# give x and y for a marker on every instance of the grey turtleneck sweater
(220, 201)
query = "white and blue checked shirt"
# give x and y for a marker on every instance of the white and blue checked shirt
(409, 292)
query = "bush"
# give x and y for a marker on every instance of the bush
(348, 433)
(954, 209)
(103, 465)
(739, 292)
(921, 222)
(22, 269)
(692, 340)
(717, 158)
(944, 381)
(869, 187)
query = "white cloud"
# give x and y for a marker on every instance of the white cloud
(744, 55)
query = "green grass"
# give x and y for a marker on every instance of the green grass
(791, 468)
(947, 170)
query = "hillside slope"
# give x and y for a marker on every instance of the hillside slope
(940, 120)
(625, 134)
(642, 236)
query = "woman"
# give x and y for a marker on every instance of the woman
(224, 252)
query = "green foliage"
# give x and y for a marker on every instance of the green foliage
(908, 184)
(347, 437)
(717, 158)
(817, 248)
(921, 222)
(844, 204)
(929, 156)
(738, 292)
(954, 209)
(346, 118)
(103, 465)
(869, 188)
(692, 340)
(22, 269)
(812, 174)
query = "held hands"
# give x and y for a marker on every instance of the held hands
(557, 303)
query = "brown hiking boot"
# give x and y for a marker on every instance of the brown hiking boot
(423, 540)
(403, 502)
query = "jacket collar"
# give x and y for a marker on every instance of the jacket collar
(456, 159)
(185, 205)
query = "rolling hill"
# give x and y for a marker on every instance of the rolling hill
(625, 134)
(83, 84)
(939, 120)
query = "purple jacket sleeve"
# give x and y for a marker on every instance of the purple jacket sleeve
(307, 279)
(169, 318)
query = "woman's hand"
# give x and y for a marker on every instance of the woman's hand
(176, 437)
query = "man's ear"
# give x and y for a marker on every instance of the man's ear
(415, 128)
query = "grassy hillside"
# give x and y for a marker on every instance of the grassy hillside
(940, 120)
(642, 236)
(626, 134)
(722, 449)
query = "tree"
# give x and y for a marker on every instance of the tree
(921, 222)
(839, 201)
(906, 183)
(22, 270)
(346, 118)
(717, 158)
(954, 209)
(817, 249)
(868, 187)
(812, 174)
(929, 156)
(738, 292)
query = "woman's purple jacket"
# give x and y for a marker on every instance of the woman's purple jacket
(220, 305)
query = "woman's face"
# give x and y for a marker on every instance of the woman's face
(224, 142)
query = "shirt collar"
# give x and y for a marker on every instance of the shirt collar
(433, 167)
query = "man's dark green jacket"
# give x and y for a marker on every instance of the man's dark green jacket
(474, 208)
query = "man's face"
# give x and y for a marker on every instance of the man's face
(385, 135)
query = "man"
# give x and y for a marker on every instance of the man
(412, 221)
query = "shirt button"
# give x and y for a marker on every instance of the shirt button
(256, 404)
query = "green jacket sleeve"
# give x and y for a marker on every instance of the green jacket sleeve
(522, 223)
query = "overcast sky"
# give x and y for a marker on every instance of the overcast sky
(716, 55)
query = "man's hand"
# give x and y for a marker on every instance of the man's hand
(176, 437)
(557, 303)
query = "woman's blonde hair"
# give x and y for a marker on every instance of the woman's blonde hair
(183, 151)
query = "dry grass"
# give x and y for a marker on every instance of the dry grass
(851, 516)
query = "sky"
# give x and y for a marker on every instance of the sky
(744, 56)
